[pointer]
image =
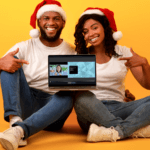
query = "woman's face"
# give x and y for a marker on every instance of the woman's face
(93, 32)
(58, 68)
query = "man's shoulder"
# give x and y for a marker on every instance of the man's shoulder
(70, 47)
(27, 42)
(25, 47)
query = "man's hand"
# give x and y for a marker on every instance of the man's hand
(10, 64)
(128, 96)
(134, 61)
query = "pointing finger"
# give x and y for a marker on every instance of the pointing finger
(124, 58)
(21, 61)
(131, 50)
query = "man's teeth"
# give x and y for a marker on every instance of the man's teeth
(94, 39)
(51, 29)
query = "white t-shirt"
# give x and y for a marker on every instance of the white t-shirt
(36, 53)
(111, 76)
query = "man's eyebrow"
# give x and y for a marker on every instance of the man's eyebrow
(57, 16)
(45, 16)
(53, 16)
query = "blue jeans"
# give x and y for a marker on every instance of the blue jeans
(39, 110)
(125, 117)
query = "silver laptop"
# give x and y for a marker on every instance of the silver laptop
(72, 72)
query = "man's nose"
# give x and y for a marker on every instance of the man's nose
(51, 22)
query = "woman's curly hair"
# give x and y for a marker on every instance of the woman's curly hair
(109, 42)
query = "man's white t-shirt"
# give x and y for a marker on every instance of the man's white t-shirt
(111, 76)
(36, 53)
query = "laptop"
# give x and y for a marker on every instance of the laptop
(72, 72)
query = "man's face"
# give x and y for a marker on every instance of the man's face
(51, 25)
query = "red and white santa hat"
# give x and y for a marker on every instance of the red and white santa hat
(41, 8)
(117, 35)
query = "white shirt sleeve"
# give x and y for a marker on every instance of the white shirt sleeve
(21, 46)
(123, 51)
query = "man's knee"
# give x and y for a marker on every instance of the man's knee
(65, 98)
(5, 76)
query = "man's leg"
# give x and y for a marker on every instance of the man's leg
(55, 111)
(57, 125)
(16, 95)
(17, 98)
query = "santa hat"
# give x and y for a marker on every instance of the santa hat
(41, 8)
(117, 35)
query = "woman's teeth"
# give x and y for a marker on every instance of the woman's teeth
(94, 39)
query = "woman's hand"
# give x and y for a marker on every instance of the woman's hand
(135, 60)
(129, 96)
(140, 68)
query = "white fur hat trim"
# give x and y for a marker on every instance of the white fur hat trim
(34, 33)
(51, 7)
(92, 11)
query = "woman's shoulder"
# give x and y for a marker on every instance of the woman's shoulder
(123, 51)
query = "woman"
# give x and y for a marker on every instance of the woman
(102, 113)
(58, 70)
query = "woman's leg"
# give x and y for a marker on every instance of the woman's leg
(91, 110)
(126, 117)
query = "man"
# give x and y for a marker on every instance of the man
(29, 105)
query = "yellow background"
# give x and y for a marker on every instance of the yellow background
(132, 18)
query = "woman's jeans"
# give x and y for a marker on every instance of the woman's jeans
(126, 117)
(39, 110)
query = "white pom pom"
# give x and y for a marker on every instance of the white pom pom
(117, 35)
(34, 33)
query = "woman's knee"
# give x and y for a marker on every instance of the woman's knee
(83, 98)
(146, 99)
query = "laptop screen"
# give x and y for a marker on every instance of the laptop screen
(70, 70)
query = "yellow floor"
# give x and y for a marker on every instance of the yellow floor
(71, 137)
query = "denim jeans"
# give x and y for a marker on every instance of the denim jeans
(126, 117)
(39, 110)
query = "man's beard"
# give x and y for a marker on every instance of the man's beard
(51, 39)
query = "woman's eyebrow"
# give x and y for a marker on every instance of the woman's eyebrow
(94, 24)
(91, 26)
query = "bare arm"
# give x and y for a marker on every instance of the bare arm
(9, 63)
(140, 69)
